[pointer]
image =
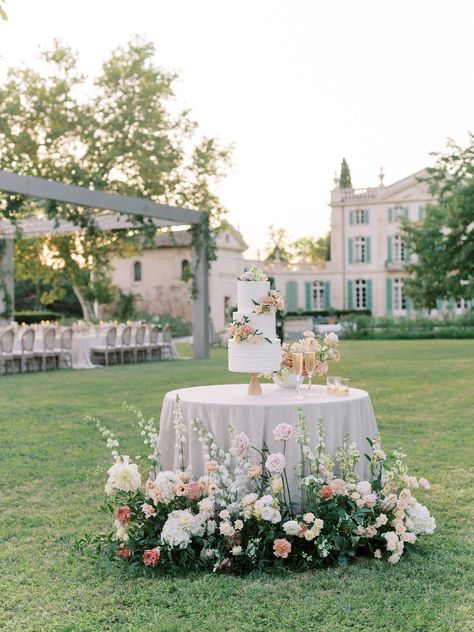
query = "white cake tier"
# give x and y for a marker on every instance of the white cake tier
(263, 322)
(247, 357)
(248, 290)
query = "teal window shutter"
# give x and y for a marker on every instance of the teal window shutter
(366, 216)
(407, 254)
(367, 249)
(327, 295)
(309, 298)
(452, 306)
(351, 217)
(439, 305)
(409, 305)
(421, 212)
(389, 297)
(405, 212)
(390, 215)
(389, 249)
(369, 294)
(351, 256)
(291, 296)
(350, 295)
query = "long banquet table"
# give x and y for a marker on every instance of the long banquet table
(221, 406)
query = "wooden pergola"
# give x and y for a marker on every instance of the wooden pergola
(162, 215)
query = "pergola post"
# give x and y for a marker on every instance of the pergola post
(7, 285)
(201, 299)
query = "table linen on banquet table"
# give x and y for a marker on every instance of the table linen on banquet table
(228, 405)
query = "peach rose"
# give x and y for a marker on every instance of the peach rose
(247, 330)
(326, 492)
(193, 491)
(281, 548)
(255, 471)
(123, 552)
(151, 557)
(123, 515)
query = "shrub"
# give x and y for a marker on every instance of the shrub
(30, 317)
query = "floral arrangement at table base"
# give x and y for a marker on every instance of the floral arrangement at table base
(239, 516)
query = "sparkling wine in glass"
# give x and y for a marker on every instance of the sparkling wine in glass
(297, 359)
(310, 365)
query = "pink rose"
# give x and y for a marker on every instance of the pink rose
(275, 463)
(247, 330)
(281, 548)
(267, 300)
(123, 515)
(240, 445)
(326, 492)
(283, 432)
(321, 368)
(280, 304)
(193, 491)
(151, 557)
(338, 486)
(123, 552)
(370, 500)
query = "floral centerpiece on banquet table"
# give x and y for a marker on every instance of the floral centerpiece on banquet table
(239, 516)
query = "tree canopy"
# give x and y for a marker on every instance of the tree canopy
(122, 133)
(444, 239)
(345, 181)
(305, 249)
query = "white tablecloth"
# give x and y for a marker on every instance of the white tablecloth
(224, 405)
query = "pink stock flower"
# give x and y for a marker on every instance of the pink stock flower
(281, 548)
(283, 432)
(151, 557)
(193, 491)
(275, 463)
(123, 515)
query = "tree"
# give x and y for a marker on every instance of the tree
(310, 249)
(277, 244)
(345, 181)
(444, 239)
(125, 136)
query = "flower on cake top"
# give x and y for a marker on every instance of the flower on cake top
(272, 302)
(253, 274)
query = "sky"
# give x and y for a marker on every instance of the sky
(295, 85)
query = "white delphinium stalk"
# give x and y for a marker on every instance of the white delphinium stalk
(348, 457)
(302, 437)
(149, 431)
(180, 430)
(110, 440)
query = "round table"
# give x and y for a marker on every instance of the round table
(221, 406)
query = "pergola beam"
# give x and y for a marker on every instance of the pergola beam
(31, 186)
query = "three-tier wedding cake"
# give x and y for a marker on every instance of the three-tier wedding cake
(254, 346)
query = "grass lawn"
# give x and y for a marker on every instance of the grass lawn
(52, 473)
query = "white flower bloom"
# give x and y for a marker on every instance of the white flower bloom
(271, 515)
(211, 527)
(423, 522)
(181, 526)
(236, 550)
(239, 525)
(309, 517)
(364, 487)
(291, 527)
(392, 540)
(225, 528)
(124, 476)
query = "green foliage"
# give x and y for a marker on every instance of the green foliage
(125, 136)
(345, 181)
(179, 326)
(30, 316)
(360, 327)
(278, 246)
(444, 239)
(125, 309)
(311, 249)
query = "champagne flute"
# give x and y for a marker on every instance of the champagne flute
(310, 365)
(297, 359)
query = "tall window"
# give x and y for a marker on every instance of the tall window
(399, 250)
(399, 212)
(360, 294)
(359, 216)
(399, 298)
(461, 303)
(318, 296)
(137, 271)
(185, 270)
(360, 250)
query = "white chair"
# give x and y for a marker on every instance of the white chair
(153, 347)
(26, 357)
(140, 347)
(65, 350)
(6, 351)
(126, 344)
(49, 351)
(166, 345)
(108, 350)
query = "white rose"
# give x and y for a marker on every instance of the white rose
(392, 540)
(364, 488)
(291, 527)
(309, 517)
(236, 550)
(225, 528)
(239, 525)
(271, 515)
